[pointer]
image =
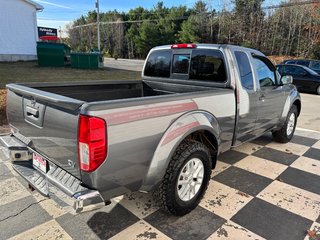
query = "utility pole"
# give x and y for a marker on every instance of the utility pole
(98, 23)
(60, 37)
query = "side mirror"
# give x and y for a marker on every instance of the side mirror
(287, 79)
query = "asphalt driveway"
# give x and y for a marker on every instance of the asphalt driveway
(261, 190)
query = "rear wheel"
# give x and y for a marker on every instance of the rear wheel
(186, 178)
(318, 90)
(286, 133)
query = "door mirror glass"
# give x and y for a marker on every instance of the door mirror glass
(287, 79)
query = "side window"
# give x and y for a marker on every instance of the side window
(265, 75)
(158, 64)
(245, 70)
(181, 63)
(289, 70)
(208, 65)
(300, 71)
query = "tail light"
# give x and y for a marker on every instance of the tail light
(184, 45)
(92, 142)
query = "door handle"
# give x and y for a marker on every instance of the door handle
(32, 111)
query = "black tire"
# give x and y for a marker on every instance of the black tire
(318, 90)
(281, 134)
(167, 194)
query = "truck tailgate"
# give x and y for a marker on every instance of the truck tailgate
(47, 123)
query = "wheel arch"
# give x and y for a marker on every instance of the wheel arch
(293, 98)
(297, 103)
(200, 125)
(209, 140)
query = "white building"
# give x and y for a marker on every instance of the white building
(18, 30)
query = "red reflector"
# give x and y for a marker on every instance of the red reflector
(92, 142)
(184, 45)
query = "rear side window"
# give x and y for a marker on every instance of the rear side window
(207, 65)
(158, 64)
(245, 70)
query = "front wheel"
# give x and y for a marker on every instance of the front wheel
(186, 178)
(285, 134)
(318, 90)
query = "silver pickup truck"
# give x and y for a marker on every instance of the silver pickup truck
(87, 142)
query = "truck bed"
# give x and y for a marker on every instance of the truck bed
(45, 115)
(102, 91)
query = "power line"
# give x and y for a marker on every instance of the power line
(129, 21)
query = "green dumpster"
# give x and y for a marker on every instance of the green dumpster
(82, 60)
(52, 54)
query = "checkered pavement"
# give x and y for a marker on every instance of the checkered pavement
(261, 190)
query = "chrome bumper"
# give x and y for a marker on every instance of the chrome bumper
(80, 202)
(56, 184)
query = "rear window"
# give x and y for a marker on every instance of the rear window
(158, 64)
(181, 63)
(201, 64)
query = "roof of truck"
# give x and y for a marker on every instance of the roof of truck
(214, 46)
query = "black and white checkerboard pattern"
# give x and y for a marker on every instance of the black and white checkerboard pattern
(261, 190)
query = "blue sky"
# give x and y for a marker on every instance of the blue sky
(60, 12)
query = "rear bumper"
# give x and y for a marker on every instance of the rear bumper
(56, 184)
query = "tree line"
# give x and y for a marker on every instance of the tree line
(287, 30)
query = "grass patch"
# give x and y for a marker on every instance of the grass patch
(23, 72)
(3, 94)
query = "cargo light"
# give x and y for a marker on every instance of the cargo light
(183, 45)
(92, 142)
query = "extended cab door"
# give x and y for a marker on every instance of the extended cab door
(271, 96)
(248, 98)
